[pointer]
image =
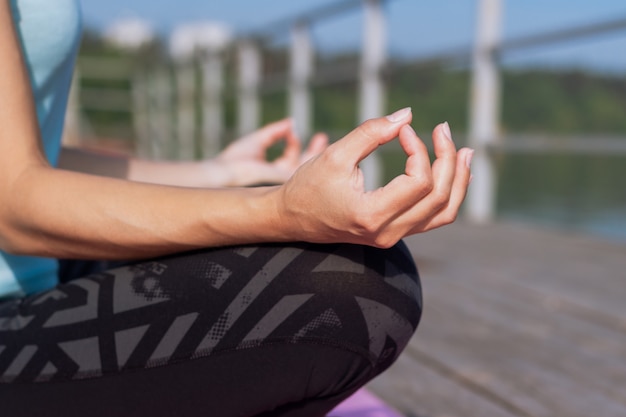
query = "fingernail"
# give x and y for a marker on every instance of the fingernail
(471, 178)
(446, 131)
(399, 115)
(468, 158)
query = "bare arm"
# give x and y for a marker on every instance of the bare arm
(51, 212)
(185, 174)
(44, 211)
(242, 163)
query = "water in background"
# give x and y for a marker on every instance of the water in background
(578, 192)
(581, 193)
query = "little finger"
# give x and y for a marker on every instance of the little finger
(459, 190)
(443, 169)
(404, 191)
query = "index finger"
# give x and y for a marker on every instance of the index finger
(406, 190)
(274, 132)
(293, 147)
(362, 141)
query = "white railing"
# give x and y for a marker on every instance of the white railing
(168, 124)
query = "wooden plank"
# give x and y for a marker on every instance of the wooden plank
(587, 271)
(518, 343)
(586, 328)
(416, 389)
(512, 319)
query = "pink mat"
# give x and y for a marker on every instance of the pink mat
(363, 404)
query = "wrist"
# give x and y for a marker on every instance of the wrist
(284, 229)
(236, 216)
(214, 173)
(202, 174)
(270, 207)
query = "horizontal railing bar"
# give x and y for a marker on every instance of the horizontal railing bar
(282, 26)
(105, 68)
(106, 99)
(329, 75)
(524, 144)
(274, 83)
(545, 145)
(563, 35)
(463, 55)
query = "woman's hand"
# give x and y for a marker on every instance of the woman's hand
(244, 161)
(325, 200)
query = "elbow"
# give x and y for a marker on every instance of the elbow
(9, 235)
(17, 217)
(9, 241)
(15, 235)
(11, 249)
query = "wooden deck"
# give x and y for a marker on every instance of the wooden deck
(518, 321)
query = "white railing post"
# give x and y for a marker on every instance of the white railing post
(186, 43)
(484, 111)
(249, 80)
(72, 131)
(161, 114)
(212, 120)
(301, 70)
(141, 116)
(185, 121)
(372, 94)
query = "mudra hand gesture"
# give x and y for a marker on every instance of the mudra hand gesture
(325, 201)
(244, 162)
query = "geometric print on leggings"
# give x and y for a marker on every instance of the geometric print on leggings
(199, 304)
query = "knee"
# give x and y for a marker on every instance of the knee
(394, 314)
(377, 296)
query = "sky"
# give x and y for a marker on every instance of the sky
(415, 27)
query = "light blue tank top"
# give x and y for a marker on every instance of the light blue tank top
(49, 31)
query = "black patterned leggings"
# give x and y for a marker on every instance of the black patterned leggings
(275, 330)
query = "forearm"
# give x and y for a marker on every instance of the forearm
(207, 173)
(57, 213)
